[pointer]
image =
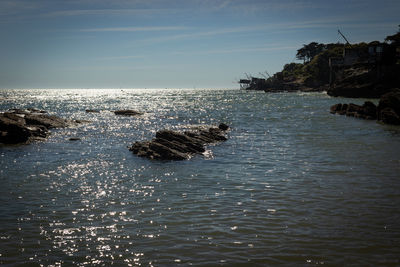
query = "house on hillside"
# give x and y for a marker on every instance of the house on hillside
(373, 56)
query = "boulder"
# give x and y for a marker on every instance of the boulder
(366, 111)
(369, 110)
(13, 131)
(174, 145)
(388, 109)
(389, 116)
(336, 108)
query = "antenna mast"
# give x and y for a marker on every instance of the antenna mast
(347, 41)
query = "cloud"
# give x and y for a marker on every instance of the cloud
(135, 29)
(109, 12)
(119, 58)
(238, 50)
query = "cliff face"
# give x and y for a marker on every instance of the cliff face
(362, 82)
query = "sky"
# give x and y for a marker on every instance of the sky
(172, 43)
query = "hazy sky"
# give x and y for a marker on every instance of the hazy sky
(171, 43)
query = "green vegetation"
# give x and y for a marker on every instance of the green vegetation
(394, 39)
(314, 71)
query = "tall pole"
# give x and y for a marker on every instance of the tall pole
(343, 37)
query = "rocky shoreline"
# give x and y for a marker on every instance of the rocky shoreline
(387, 111)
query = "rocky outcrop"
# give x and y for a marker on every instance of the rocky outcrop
(23, 126)
(363, 82)
(387, 111)
(174, 145)
(128, 112)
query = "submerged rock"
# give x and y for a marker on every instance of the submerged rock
(23, 126)
(128, 112)
(174, 145)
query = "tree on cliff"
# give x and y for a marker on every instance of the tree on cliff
(394, 39)
(308, 52)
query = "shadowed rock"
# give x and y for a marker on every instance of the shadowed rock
(389, 107)
(387, 111)
(48, 121)
(174, 145)
(366, 111)
(23, 126)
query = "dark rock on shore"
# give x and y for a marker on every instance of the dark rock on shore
(387, 111)
(128, 112)
(174, 145)
(23, 126)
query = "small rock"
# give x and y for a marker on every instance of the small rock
(74, 139)
(92, 111)
(128, 112)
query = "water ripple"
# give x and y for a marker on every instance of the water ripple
(293, 185)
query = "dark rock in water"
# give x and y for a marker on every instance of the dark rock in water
(92, 111)
(369, 110)
(389, 116)
(366, 111)
(173, 145)
(23, 126)
(80, 121)
(34, 110)
(49, 121)
(13, 129)
(389, 107)
(128, 112)
(336, 108)
(74, 139)
(223, 126)
(387, 111)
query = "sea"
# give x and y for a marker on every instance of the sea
(293, 185)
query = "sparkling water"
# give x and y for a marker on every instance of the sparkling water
(293, 185)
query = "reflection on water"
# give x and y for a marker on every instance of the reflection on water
(293, 185)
